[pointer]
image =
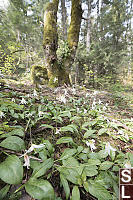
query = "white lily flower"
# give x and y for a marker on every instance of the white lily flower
(34, 146)
(57, 131)
(128, 165)
(95, 92)
(40, 113)
(29, 115)
(13, 100)
(2, 114)
(87, 95)
(104, 108)
(62, 98)
(27, 161)
(55, 79)
(85, 111)
(100, 102)
(91, 144)
(109, 148)
(23, 101)
(35, 93)
(74, 91)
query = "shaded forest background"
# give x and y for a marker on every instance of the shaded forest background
(104, 54)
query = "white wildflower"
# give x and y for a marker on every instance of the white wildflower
(55, 79)
(57, 131)
(2, 114)
(120, 132)
(91, 144)
(109, 148)
(104, 108)
(74, 91)
(27, 161)
(34, 146)
(29, 115)
(23, 101)
(100, 102)
(13, 100)
(77, 109)
(128, 165)
(95, 92)
(35, 93)
(62, 98)
(40, 113)
(85, 111)
(87, 95)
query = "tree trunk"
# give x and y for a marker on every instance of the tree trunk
(50, 41)
(88, 37)
(59, 74)
(64, 20)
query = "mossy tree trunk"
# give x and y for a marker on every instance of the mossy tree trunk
(50, 41)
(57, 74)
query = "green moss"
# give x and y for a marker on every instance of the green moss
(39, 75)
(74, 29)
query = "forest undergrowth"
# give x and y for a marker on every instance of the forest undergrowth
(64, 143)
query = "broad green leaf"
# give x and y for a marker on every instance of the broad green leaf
(14, 143)
(64, 140)
(75, 193)
(67, 153)
(18, 132)
(91, 170)
(102, 154)
(47, 126)
(88, 133)
(40, 189)
(42, 168)
(106, 165)
(65, 185)
(102, 131)
(94, 162)
(4, 191)
(99, 191)
(67, 128)
(11, 170)
(69, 170)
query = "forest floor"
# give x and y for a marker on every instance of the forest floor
(115, 107)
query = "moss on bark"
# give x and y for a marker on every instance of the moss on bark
(74, 29)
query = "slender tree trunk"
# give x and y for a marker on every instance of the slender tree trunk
(64, 20)
(88, 37)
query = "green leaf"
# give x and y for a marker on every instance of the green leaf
(18, 132)
(75, 193)
(91, 170)
(102, 154)
(94, 162)
(88, 133)
(14, 143)
(40, 189)
(66, 114)
(11, 170)
(42, 168)
(102, 131)
(64, 140)
(65, 185)
(4, 191)
(106, 165)
(47, 126)
(99, 191)
(67, 153)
